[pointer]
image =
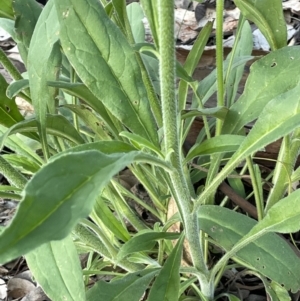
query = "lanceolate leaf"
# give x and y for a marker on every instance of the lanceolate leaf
(279, 117)
(144, 241)
(268, 17)
(283, 217)
(9, 112)
(56, 267)
(268, 254)
(167, 283)
(43, 51)
(57, 125)
(218, 144)
(131, 287)
(57, 196)
(114, 77)
(270, 76)
(81, 91)
(27, 13)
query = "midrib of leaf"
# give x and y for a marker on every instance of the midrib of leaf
(111, 69)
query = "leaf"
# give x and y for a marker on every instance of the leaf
(167, 283)
(144, 241)
(244, 47)
(9, 112)
(43, 65)
(218, 144)
(103, 213)
(23, 163)
(81, 91)
(140, 143)
(106, 147)
(16, 87)
(57, 197)
(8, 25)
(56, 267)
(6, 10)
(26, 14)
(268, 17)
(91, 120)
(279, 117)
(283, 217)
(57, 125)
(218, 112)
(272, 75)
(21, 146)
(130, 287)
(135, 18)
(107, 50)
(268, 254)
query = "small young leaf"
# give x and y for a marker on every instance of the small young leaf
(16, 87)
(218, 144)
(167, 283)
(144, 241)
(130, 287)
(56, 267)
(57, 197)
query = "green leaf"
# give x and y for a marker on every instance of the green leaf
(57, 125)
(283, 217)
(56, 267)
(106, 147)
(135, 18)
(26, 13)
(268, 17)
(57, 197)
(131, 287)
(272, 75)
(16, 87)
(9, 112)
(268, 254)
(279, 117)
(218, 144)
(140, 143)
(9, 26)
(81, 91)
(22, 163)
(91, 120)
(243, 48)
(103, 213)
(144, 241)
(167, 283)
(43, 65)
(218, 112)
(22, 145)
(107, 50)
(6, 10)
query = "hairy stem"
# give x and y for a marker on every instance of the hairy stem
(171, 121)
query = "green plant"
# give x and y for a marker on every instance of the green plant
(100, 106)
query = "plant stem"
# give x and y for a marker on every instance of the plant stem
(171, 121)
(8, 65)
(11, 174)
(219, 60)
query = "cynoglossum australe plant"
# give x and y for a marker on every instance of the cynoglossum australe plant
(82, 57)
